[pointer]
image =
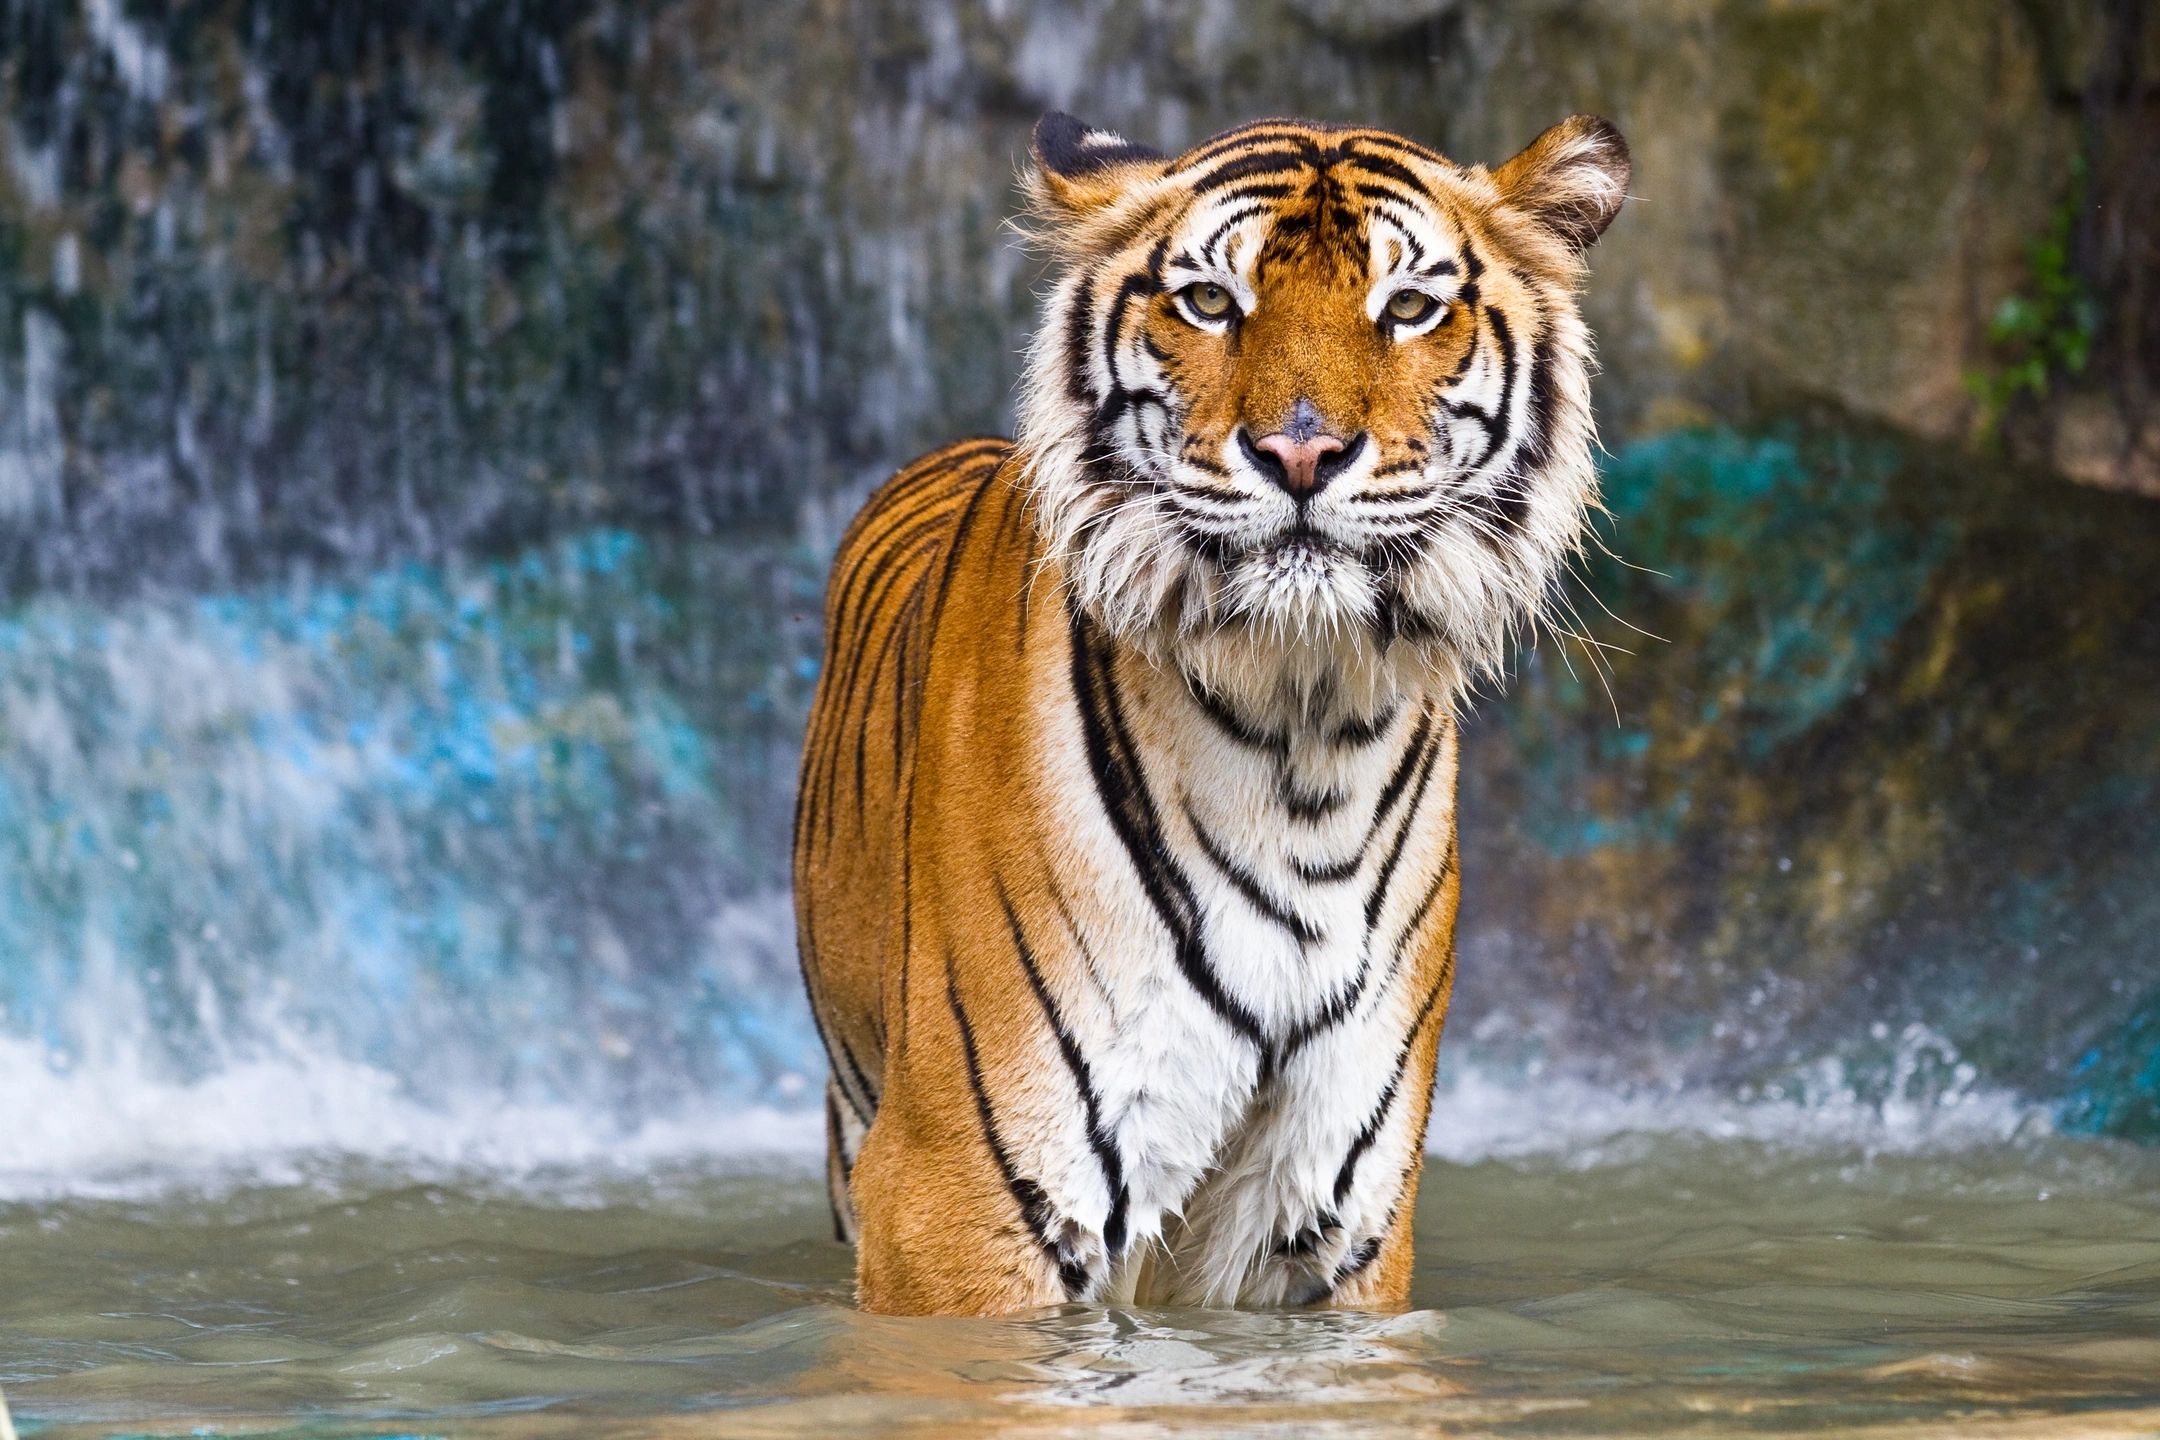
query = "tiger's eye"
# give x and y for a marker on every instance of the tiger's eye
(1410, 306)
(1209, 302)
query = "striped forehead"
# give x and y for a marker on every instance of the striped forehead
(1289, 187)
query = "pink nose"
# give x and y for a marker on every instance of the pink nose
(1300, 458)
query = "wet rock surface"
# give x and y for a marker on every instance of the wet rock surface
(299, 284)
(1885, 788)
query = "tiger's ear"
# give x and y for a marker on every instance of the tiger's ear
(1571, 179)
(1080, 170)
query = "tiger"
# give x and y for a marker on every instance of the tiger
(1125, 854)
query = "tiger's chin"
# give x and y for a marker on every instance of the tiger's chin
(1296, 626)
(1301, 585)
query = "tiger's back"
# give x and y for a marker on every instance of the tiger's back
(881, 602)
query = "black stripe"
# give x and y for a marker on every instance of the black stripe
(1503, 413)
(842, 691)
(1405, 212)
(1244, 167)
(1099, 1141)
(839, 1136)
(1423, 908)
(1248, 885)
(1303, 806)
(1139, 283)
(1034, 1205)
(1122, 786)
(1351, 143)
(1102, 425)
(1202, 497)
(1536, 448)
(899, 517)
(1238, 215)
(1390, 169)
(1259, 132)
(1332, 872)
(1376, 194)
(1077, 321)
(895, 634)
(909, 623)
(1344, 1002)
(1236, 726)
(861, 1080)
(1377, 897)
(1256, 190)
(1360, 1258)
(953, 547)
(895, 548)
(860, 592)
(1392, 790)
(1347, 1175)
(905, 851)
(906, 487)
(1088, 961)
(864, 1106)
(1467, 298)
(1363, 730)
(839, 1160)
(1384, 206)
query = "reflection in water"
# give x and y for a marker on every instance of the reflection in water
(1628, 1284)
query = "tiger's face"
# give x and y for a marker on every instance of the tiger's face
(1312, 399)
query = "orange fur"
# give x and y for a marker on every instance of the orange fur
(1079, 784)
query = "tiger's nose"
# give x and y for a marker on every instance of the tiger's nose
(1302, 465)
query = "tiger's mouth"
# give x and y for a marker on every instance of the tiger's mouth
(1302, 546)
(1300, 564)
(1300, 551)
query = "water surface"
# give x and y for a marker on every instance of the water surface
(1674, 1280)
(423, 429)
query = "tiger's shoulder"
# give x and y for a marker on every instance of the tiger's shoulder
(889, 578)
(891, 558)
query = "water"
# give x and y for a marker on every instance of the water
(1668, 1267)
(504, 824)
(423, 429)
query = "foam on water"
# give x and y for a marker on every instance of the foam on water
(112, 1127)
(1481, 1114)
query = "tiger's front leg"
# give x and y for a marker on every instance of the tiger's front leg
(1315, 1201)
(954, 1218)
(938, 1237)
(1369, 1266)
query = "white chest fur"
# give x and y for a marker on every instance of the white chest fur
(1237, 900)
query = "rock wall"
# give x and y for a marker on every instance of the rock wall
(319, 283)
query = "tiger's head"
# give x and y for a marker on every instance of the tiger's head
(1310, 403)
